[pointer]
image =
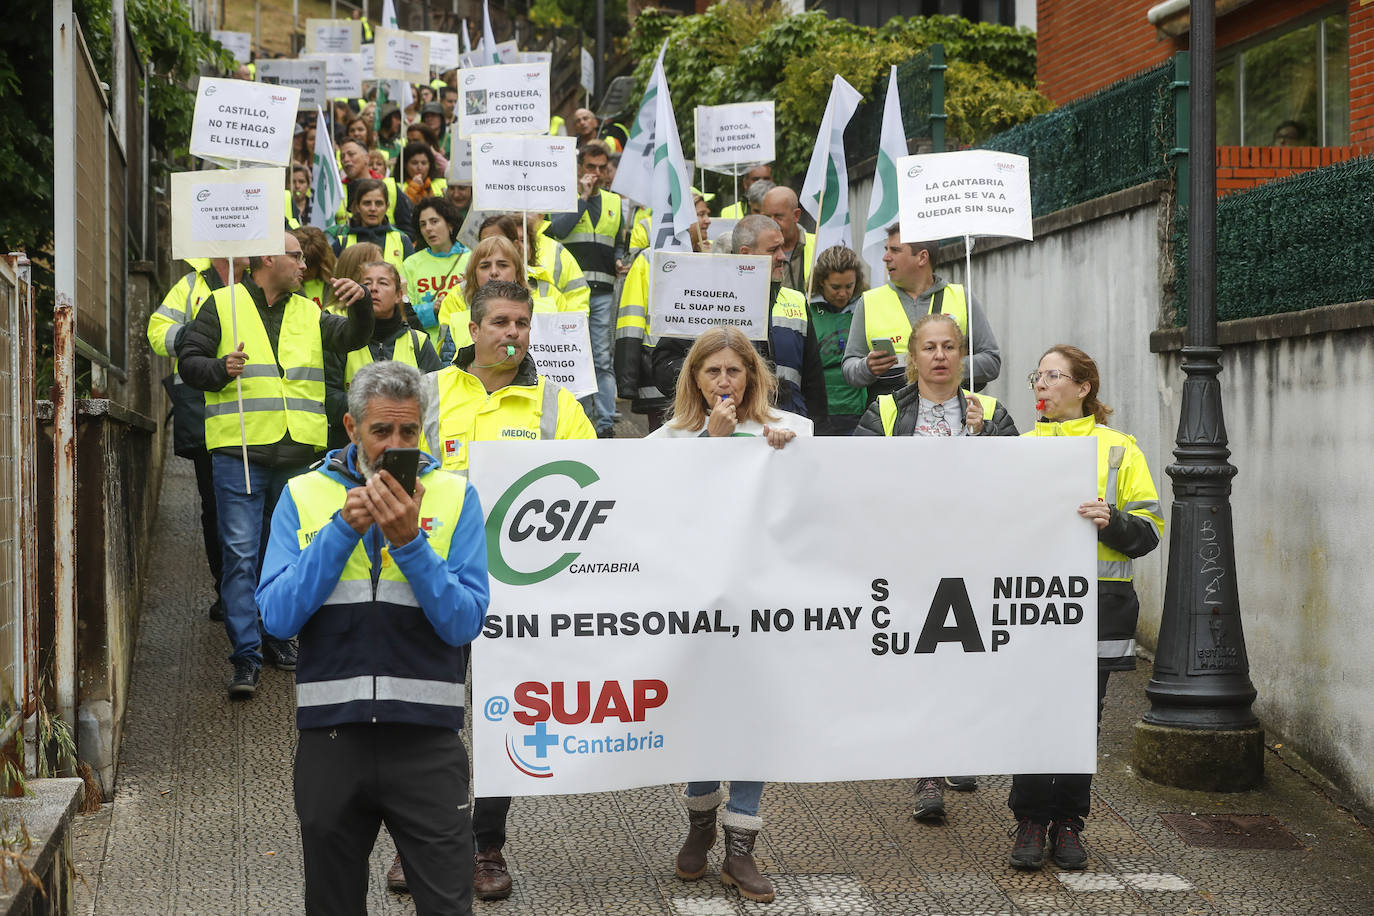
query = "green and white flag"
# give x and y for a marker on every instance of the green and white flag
(825, 193)
(882, 206)
(635, 176)
(326, 187)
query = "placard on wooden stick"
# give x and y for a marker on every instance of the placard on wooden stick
(690, 293)
(515, 172)
(239, 120)
(972, 192)
(401, 56)
(234, 213)
(503, 99)
(333, 36)
(310, 76)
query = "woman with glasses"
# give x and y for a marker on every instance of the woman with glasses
(933, 404)
(1127, 515)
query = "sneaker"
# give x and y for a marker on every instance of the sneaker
(490, 879)
(930, 798)
(607, 433)
(217, 611)
(1028, 852)
(281, 653)
(1068, 852)
(244, 683)
(962, 783)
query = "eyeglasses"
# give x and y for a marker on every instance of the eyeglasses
(1050, 375)
(298, 255)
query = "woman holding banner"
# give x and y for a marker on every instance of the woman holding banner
(1127, 515)
(368, 224)
(494, 258)
(726, 390)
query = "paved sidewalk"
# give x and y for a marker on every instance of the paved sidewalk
(202, 821)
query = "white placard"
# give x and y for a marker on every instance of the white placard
(562, 350)
(730, 136)
(443, 50)
(503, 99)
(239, 44)
(613, 640)
(460, 162)
(468, 61)
(508, 52)
(343, 73)
(720, 225)
(536, 57)
(972, 192)
(401, 56)
(333, 36)
(311, 77)
(515, 172)
(369, 53)
(235, 213)
(588, 71)
(239, 120)
(690, 293)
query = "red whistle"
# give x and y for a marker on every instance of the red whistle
(1040, 404)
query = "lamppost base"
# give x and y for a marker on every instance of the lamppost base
(1200, 759)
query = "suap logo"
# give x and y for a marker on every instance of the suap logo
(250, 193)
(203, 195)
(746, 268)
(1005, 166)
(560, 519)
(914, 171)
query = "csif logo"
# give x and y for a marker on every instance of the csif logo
(469, 79)
(669, 266)
(914, 171)
(211, 89)
(488, 147)
(561, 519)
(203, 194)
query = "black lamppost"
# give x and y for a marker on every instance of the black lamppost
(1200, 732)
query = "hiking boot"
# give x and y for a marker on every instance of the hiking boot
(1068, 852)
(739, 870)
(701, 834)
(280, 652)
(490, 879)
(244, 683)
(396, 878)
(930, 798)
(217, 611)
(1028, 851)
(962, 783)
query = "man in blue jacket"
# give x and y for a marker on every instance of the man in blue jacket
(386, 590)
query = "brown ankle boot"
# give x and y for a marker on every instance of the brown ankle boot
(739, 869)
(701, 834)
(490, 879)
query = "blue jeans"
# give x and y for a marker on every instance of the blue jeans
(599, 326)
(744, 796)
(244, 523)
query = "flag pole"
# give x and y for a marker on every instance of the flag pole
(968, 304)
(238, 380)
(801, 240)
(524, 249)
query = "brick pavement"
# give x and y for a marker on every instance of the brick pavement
(202, 820)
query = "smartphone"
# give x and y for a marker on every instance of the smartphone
(884, 345)
(403, 464)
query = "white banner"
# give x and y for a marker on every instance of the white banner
(972, 192)
(690, 293)
(731, 136)
(443, 50)
(524, 173)
(343, 73)
(311, 77)
(674, 610)
(239, 120)
(561, 347)
(239, 44)
(333, 36)
(401, 56)
(588, 71)
(503, 99)
(234, 213)
(369, 53)
(460, 162)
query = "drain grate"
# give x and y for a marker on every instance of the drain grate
(1231, 831)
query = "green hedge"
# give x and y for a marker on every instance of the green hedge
(913, 87)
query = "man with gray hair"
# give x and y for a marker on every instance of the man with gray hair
(754, 196)
(384, 576)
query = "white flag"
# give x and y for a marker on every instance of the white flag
(467, 39)
(674, 211)
(882, 206)
(489, 53)
(635, 176)
(389, 20)
(326, 188)
(825, 193)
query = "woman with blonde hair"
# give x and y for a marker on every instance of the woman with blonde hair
(350, 264)
(494, 258)
(319, 263)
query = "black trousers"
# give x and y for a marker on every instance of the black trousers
(414, 778)
(489, 822)
(209, 519)
(1049, 797)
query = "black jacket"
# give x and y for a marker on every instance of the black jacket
(908, 409)
(385, 333)
(374, 234)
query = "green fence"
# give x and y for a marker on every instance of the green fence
(1297, 243)
(1115, 138)
(920, 85)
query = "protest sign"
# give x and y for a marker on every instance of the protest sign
(234, 213)
(513, 172)
(972, 192)
(508, 52)
(443, 50)
(733, 138)
(239, 44)
(721, 225)
(239, 120)
(588, 79)
(472, 226)
(401, 56)
(343, 73)
(503, 99)
(562, 350)
(690, 293)
(333, 36)
(369, 53)
(637, 591)
(309, 76)
(536, 57)
(460, 162)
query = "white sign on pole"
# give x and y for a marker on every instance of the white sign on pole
(588, 71)
(311, 77)
(343, 73)
(536, 57)
(515, 172)
(333, 36)
(460, 162)
(239, 120)
(972, 192)
(612, 641)
(468, 61)
(503, 99)
(239, 44)
(443, 50)
(731, 136)
(561, 347)
(720, 225)
(369, 52)
(508, 51)
(401, 56)
(234, 213)
(690, 293)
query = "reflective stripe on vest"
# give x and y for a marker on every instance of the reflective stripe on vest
(393, 251)
(291, 221)
(1115, 648)
(885, 317)
(405, 350)
(452, 450)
